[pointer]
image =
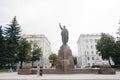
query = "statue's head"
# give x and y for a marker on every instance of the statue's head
(64, 27)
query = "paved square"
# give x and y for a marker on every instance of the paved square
(14, 75)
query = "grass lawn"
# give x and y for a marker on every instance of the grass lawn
(118, 69)
(4, 70)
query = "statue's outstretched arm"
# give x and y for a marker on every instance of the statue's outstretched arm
(60, 26)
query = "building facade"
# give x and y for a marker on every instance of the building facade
(87, 53)
(42, 42)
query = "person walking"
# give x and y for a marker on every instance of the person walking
(38, 69)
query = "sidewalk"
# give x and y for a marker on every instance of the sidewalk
(15, 76)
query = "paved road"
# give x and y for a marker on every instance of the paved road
(15, 76)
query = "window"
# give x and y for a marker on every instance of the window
(91, 40)
(97, 58)
(95, 46)
(93, 63)
(91, 46)
(88, 58)
(86, 40)
(92, 58)
(88, 64)
(96, 40)
(87, 47)
(87, 52)
(96, 52)
(92, 52)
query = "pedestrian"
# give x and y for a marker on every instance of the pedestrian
(38, 70)
(41, 70)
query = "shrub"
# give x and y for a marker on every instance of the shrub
(105, 66)
(96, 66)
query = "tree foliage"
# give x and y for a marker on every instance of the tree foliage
(36, 54)
(24, 51)
(116, 56)
(12, 35)
(12, 32)
(2, 49)
(75, 60)
(53, 59)
(106, 46)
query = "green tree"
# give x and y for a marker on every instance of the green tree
(106, 47)
(12, 35)
(36, 54)
(75, 60)
(2, 49)
(53, 59)
(24, 51)
(116, 56)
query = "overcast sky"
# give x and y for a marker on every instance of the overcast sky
(79, 17)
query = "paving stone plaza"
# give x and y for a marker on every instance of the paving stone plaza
(15, 76)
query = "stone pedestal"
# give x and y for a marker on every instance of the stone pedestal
(65, 60)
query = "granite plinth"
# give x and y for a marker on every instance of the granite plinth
(65, 61)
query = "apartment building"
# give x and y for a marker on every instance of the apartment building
(87, 53)
(42, 42)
